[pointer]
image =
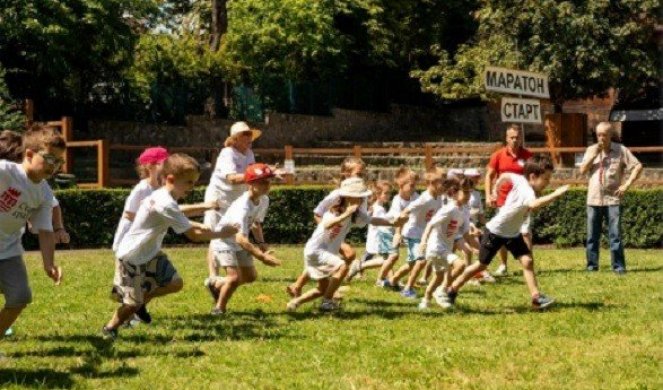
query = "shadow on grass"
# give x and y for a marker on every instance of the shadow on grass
(39, 378)
(603, 271)
(558, 306)
(235, 325)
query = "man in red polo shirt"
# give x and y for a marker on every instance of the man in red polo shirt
(510, 158)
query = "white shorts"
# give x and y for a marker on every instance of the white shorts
(233, 259)
(526, 228)
(441, 261)
(322, 264)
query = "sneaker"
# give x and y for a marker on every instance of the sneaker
(619, 271)
(291, 306)
(9, 332)
(355, 268)
(443, 301)
(474, 282)
(486, 277)
(143, 315)
(216, 312)
(501, 270)
(592, 268)
(451, 297)
(329, 305)
(132, 323)
(386, 284)
(108, 334)
(409, 293)
(541, 302)
(213, 290)
(423, 305)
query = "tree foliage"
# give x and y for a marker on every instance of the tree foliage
(11, 117)
(585, 46)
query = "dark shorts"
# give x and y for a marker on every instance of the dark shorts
(491, 244)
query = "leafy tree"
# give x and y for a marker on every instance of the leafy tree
(11, 118)
(584, 46)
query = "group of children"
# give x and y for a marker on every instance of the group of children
(443, 219)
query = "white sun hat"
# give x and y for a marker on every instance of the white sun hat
(454, 172)
(472, 172)
(354, 187)
(241, 127)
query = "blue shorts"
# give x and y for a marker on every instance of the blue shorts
(413, 249)
(386, 243)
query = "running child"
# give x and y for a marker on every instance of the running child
(437, 241)
(145, 272)
(25, 196)
(419, 212)
(350, 167)
(235, 253)
(321, 253)
(504, 228)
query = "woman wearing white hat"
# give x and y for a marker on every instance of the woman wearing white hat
(227, 182)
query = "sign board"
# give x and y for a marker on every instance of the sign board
(516, 82)
(521, 110)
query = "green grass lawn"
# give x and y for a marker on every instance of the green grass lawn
(606, 332)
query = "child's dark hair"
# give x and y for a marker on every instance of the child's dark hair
(537, 165)
(41, 137)
(11, 146)
(178, 164)
(378, 188)
(340, 206)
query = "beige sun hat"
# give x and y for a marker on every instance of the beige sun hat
(241, 127)
(472, 172)
(454, 173)
(354, 187)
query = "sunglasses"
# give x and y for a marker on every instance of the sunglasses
(51, 159)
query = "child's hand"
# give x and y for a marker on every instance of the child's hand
(269, 259)
(561, 190)
(61, 236)
(212, 205)
(475, 231)
(54, 272)
(229, 230)
(351, 209)
(400, 221)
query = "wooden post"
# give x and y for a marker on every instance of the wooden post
(428, 156)
(357, 151)
(67, 128)
(289, 178)
(29, 112)
(552, 140)
(103, 151)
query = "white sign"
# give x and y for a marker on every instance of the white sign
(521, 110)
(516, 82)
(289, 166)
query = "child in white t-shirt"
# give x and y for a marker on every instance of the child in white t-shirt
(419, 212)
(25, 196)
(376, 250)
(477, 220)
(350, 167)
(235, 253)
(504, 228)
(321, 253)
(437, 241)
(406, 180)
(145, 272)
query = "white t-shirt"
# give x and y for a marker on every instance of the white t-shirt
(140, 191)
(398, 204)
(510, 217)
(449, 222)
(372, 241)
(156, 214)
(476, 206)
(230, 161)
(21, 200)
(334, 198)
(421, 211)
(242, 212)
(329, 240)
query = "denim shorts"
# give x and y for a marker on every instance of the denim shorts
(386, 243)
(413, 249)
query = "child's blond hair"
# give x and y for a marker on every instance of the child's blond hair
(42, 137)
(434, 174)
(348, 164)
(179, 164)
(378, 188)
(404, 175)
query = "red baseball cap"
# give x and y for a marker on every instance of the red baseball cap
(153, 155)
(257, 171)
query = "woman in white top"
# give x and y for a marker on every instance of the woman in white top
(227, 181)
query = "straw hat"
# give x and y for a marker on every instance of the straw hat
(354, 187)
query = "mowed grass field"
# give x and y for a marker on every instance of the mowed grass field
(606, 332)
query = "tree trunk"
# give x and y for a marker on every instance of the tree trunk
(219, 23)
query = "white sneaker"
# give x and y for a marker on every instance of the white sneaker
(442, 300)
(422, 282)
(501, 271)
(486, 277)
(423, 305)
(291, 306)
(355, 267)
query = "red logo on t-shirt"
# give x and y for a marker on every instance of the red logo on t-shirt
(334, 232)
(8, 199)
(429, 215)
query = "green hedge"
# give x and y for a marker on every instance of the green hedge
(91, 217)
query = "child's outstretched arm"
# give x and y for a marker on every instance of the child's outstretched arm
(199, 232)
(544, 200)
(196, 209)
(266, 257)
(257, 232)
(346, 214)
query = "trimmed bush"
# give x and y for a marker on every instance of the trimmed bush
(91, 217)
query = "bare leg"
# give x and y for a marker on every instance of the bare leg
(335, 281)
(503, 257)
(236, 276)
(414, 274)
(121, 315)
(311, 294)
(435, 282)
(467, 275)
(7, 317)
(212, 269)
(295, 289)
(404, 270)
(174, 286)
(528, 272)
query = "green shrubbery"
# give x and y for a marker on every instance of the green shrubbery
(91, 217)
